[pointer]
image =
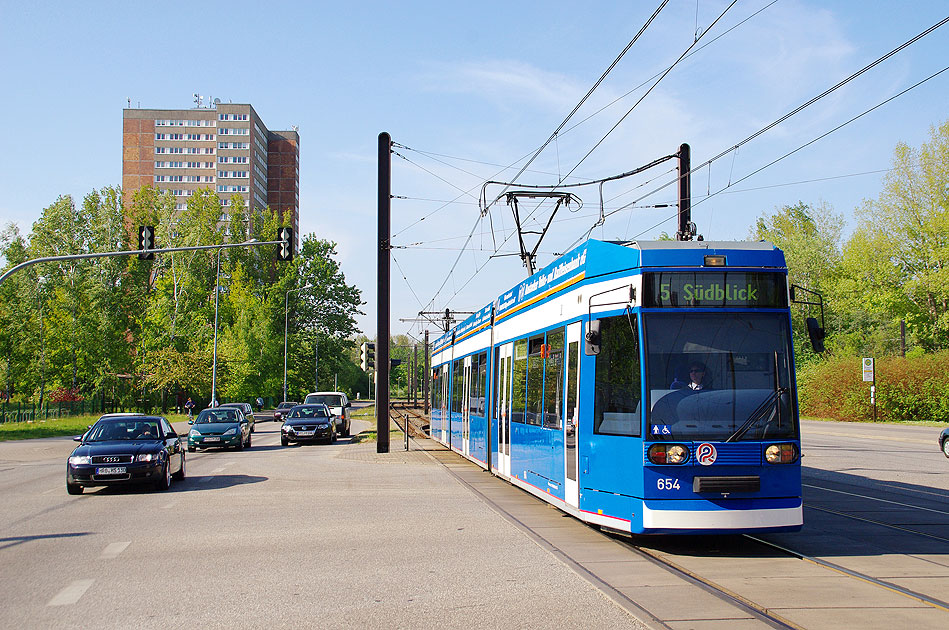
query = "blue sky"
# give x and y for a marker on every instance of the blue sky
(470, 88)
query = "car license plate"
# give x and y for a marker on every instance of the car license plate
(114, 470)
(305, 433)
(212, 439)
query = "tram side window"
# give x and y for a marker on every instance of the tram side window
(616, 409)
(553, 382)
(435, 390)
(457, 385)
(572, 369)
(535, 381)
(519, 380)
(479, 383)
(495, 385)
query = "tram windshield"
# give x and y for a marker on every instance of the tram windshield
(718, 376)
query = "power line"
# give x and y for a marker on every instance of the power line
(794, 112)
(554, 134)
(651, 88)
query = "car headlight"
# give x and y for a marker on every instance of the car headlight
(231, 431)
(668, 454)
(194, 433)
(80, 460)
(146, 457)
(781, 454)
(285, 428)
(322, 425)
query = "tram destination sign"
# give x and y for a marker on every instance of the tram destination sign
(715, 289)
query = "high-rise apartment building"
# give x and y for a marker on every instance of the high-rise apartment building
(225, 147)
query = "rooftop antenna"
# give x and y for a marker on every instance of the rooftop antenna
(197, 99)
(217, 102)
(130, 103)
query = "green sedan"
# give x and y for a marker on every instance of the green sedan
(221, 427)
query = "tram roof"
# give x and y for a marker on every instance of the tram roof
(595, 258)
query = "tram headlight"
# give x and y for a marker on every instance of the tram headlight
(668, 454)
(781, 454)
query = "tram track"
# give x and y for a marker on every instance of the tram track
(678, 566)
(869, 579)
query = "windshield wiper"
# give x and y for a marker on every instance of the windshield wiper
(757, 414)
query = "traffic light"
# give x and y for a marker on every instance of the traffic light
(367, 355)
(285, 248)
(146, 242)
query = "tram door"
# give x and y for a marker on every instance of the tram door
(445, 404)
(571, 425)
(466, 407)
(503, 409)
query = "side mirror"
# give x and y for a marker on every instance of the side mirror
(591, 344)
(816, 333)
(172, 436)
(191, 421)
(78, 438)
(349, 404)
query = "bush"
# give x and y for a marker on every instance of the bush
(912, 388)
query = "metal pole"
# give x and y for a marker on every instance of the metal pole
(382, 315)
(426, 377)
(685, 195)
(286, 319)
(217, 292)
(415, 375)
(286, 311)
(131, 252)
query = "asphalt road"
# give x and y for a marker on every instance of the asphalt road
(339, 536)
(322, 536)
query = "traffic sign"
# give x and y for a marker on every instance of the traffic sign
(868, 369)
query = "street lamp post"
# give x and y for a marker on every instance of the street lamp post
(217, 291)
(286, 311)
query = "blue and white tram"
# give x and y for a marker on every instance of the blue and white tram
(646, 387)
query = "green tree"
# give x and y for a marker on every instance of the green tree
(810, 238)
(900, 252)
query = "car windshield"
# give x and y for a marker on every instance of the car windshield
(124, 429)
(330, 400)
(308, 412)
(719, 376)
(209, 416)
(286, 405)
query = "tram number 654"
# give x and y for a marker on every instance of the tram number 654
(667, 484)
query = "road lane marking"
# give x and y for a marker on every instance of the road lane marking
(114, 549)
(71, 594)
(217, 470)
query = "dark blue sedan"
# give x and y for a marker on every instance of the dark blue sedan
(308, 423)
(944, 441)
(126, 449)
